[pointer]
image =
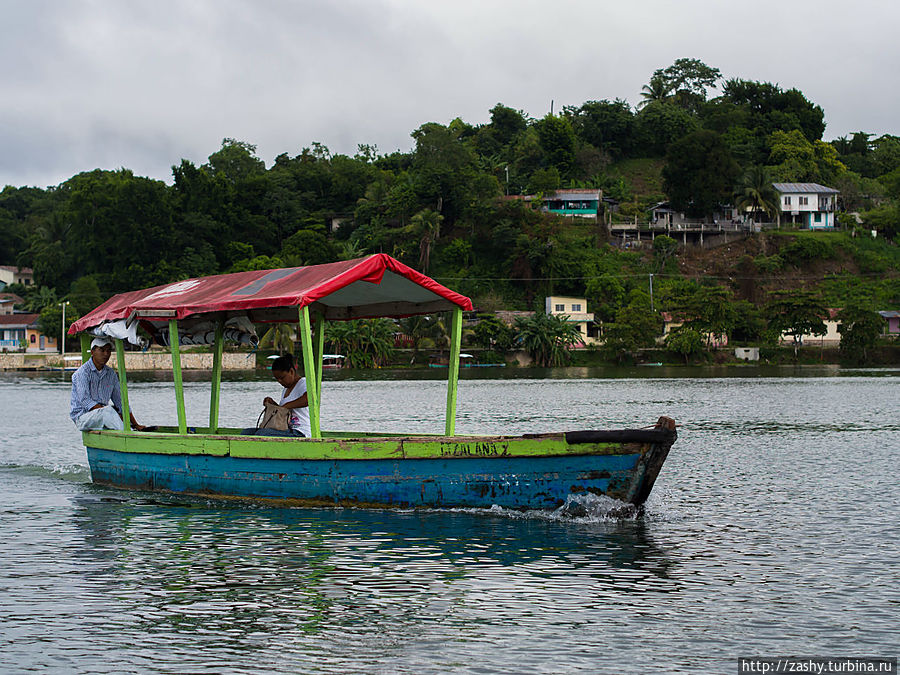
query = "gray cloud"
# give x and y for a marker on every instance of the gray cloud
(140, 85)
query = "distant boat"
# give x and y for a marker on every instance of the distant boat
(465, 361)
(70, 364)
(359, 468)
(332, 361)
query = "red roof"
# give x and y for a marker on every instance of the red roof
(18, 319)
(377, 285)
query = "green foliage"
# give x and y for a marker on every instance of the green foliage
(807, 248)
(306, 247)
(605, 125)
(365, 342)
(796, 313)
(658, 125)
(547, 338)
(280, 337)
(606, 296)
(664, 249)
(700, 173)
(685, 341)
(769, 264)
(491, 333)
(860, 329)
(796, 159)
(756, 193)
(557, 138)
(85, 295)
(635, 328)
(885, 220)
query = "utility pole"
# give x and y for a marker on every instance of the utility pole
(651, 295)
(62, 341)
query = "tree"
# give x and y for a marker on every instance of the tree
(795, 159)
(280, 337)
(426, 227)
(492, 333)
(688, 80)
(606, 125)
(664, 249)
(85, 295)
(699, 174)
(557, 139)
(885, 220)
(635, 328)
(547, 338)
(756, 193)
(659, 90)
(365, 342)
(658, 124)
(427, 331)
(796, 313)
(860, 329)
(685, 341)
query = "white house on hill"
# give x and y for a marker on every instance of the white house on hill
(808, 204)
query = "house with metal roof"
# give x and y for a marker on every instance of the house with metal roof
(807, 204)
(580, 202)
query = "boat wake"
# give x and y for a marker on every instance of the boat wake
(78, 473)
(581, 508)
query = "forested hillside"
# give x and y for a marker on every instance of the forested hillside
(439, 208)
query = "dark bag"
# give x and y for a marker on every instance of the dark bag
(274, 417)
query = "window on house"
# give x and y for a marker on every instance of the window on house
(559, 308)
(804, 201)
(576, 307)
(818, 217)
(33, 340)
(787, 201)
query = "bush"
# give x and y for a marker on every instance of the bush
(803, 250)
(769, 264)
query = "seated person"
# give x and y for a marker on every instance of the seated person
(293, 397)
(94, 385)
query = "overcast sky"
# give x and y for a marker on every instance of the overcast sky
(99, 83)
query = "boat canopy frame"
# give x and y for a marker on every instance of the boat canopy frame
(370, 287)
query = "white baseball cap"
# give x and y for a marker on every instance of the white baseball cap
(100, 342)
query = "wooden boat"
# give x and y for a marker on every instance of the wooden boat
(533, 471)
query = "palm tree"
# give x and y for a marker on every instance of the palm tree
(757, 193)
(547, 338)
(280, 337)
(426, 225)
(365, 342)
(659, 89)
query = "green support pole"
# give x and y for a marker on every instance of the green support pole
(216, 378)
(309, 373)
(453, 376)
(85, 347)
(174, 346)
(123, 384)
(320, 349)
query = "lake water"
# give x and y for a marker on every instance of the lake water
(774, 529)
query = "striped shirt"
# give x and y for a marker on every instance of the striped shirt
(91, 386)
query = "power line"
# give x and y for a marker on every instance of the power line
(671, 276)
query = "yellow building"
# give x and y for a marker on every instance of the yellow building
(576, 311)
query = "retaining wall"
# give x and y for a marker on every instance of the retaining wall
(137, 361)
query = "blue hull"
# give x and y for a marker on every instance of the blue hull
(509, 482)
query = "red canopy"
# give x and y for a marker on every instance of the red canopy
(377, 285)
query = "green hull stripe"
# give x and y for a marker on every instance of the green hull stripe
(397, 447)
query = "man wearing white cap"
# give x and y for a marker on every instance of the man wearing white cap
(94, 385)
